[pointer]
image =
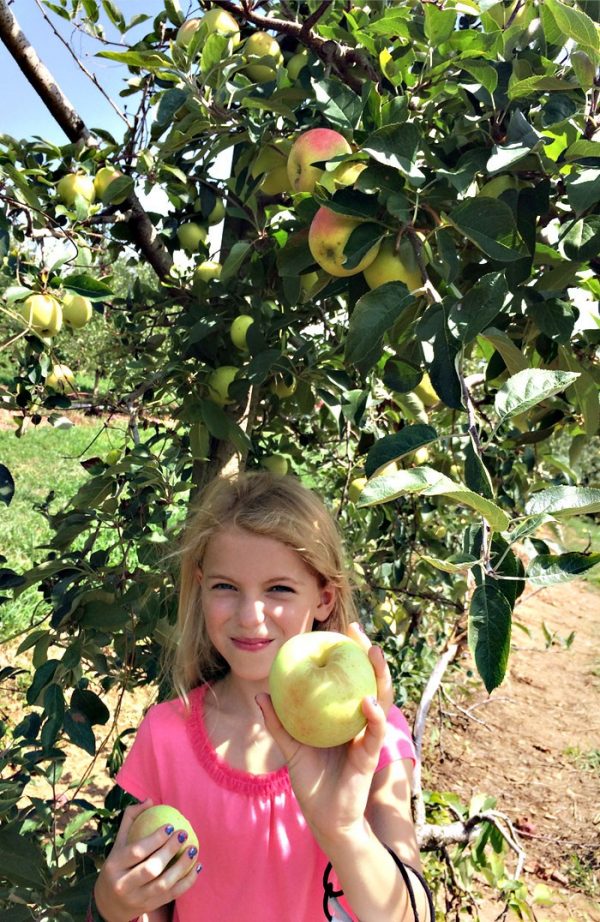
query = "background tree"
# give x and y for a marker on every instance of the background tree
(419, 343)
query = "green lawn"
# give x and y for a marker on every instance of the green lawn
(44, 462)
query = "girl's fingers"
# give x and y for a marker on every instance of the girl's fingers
(373, 735)
(385, 690)
(152, 856)
(129, 815)
(357, 634)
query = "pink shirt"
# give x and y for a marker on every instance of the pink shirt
(260, 860)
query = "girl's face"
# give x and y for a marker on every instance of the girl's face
(256, 593)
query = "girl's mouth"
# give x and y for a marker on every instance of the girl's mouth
(251, 644)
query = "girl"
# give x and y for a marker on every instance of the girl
(262, 561)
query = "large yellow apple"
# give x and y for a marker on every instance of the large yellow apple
(317, 682)
(42, 313)
(345, 174)
(190, 235)
(313, 146)
(276, 464)
(327, 238)
(61, 379)
(239, 329)
(73, 185)
(103, 180)
(160, 816)
(217, 213)
(216, 20)
(392, 266)
(425, 391)
(218, 384)
(355, 488)
(76, 310)
(283, 388)
(296, 63)
(271, 163)
(205, 272)
(262, 45)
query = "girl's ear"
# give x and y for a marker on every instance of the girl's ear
(198, 576)
(326, 603)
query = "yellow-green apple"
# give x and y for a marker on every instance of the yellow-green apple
(425, 391)
(190, 235)
(160, 816)
(218, 384)
(391, 265)
(204, 273)
(217, 213)
(239, 329)
(313, 146)
(317, 683)
(103, 180)
(76, 310)
(283, 388)
(276, 464)
(421, 455)
(327, 238)
(216, 20)
(307, 284)
(76, 184)
(262, 45)
(296, 63)
(345, 174)
(113, 456)
(42, 313)
(355, 488)
(61, 379)
(271, 163)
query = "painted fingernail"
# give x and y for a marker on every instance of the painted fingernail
(198, 868)
(192, 852)
(182, 836)
(169, 830)
(374, 701)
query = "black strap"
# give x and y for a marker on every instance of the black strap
(330, 893)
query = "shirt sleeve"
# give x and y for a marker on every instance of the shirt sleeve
(398, 742)
(139, 774)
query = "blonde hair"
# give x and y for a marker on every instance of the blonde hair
(265, 504)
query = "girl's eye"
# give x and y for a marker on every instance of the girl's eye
(223, 586)
(281, 588)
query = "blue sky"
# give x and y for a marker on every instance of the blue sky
(23, 115)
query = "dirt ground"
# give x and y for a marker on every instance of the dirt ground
(534, 744)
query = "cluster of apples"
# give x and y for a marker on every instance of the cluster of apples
(85, 187)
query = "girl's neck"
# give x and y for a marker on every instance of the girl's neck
(237, 698)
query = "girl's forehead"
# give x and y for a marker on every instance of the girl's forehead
(239, 547)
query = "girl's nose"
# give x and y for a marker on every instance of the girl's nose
(251, 611)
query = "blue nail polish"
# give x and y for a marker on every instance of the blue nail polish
(169, 830)
(192, 852)
(182, 836)
(198, 868)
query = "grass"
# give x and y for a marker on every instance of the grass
(45, 462)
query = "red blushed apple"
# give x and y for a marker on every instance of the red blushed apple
(313, 146)
(327, 238)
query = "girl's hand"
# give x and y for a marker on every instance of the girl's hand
(134, 878)
(332, 785)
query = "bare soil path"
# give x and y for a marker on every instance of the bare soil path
(534, 744)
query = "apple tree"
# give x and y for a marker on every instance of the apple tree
(355, 242)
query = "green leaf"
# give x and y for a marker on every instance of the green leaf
(532, 85)
(392, 447)
(583, 189)
(439, 24)
(340, 106)
(351, 202)
(513, 358)
(88, 286)
(235, 258)
(480, 306)
(7, 485)
(489, 633)
(563, 501)
(456, 563)
(528, 388)
(21, 860)
(575, 24)
(582, 240)
(148, 60)
(426, 481)
(91, 705)
(397, 146)
(79, 730)
(374, 314)
(477, 476)
(548, 569)
(490, 225)
(583, 149)
(440, 349)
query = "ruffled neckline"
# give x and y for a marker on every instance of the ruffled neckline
(225, 775)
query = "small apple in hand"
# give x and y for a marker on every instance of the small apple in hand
(317, 683)
(162, 815)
